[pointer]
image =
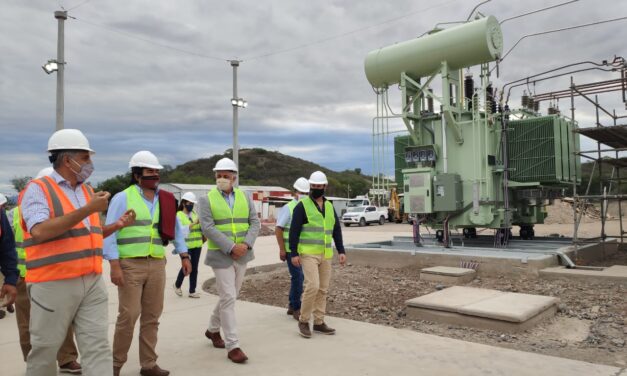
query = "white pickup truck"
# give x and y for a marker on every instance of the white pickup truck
(364, 215)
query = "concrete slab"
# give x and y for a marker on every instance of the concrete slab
(483, 308)
(612, 274)
(448, 275)
(453, 298)
(512, 307)
(270, 339)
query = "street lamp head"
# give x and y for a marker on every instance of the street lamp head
(240, 102)
(245, 104)
(51, 66)
(234, 101)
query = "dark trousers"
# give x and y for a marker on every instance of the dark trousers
(194, 255)
(296, 286)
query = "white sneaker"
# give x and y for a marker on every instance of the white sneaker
(178, 291)
(194, 295)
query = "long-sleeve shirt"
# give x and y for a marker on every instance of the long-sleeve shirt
(222, 259)
(299, 218)
(8, 254)
(117, 208)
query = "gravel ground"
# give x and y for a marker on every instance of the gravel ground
(591, 324)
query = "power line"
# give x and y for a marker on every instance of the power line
(79, 5)
(344, 34)
(561, 29)
(537, 11)
(132, 36)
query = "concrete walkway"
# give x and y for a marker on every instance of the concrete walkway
(270, 339)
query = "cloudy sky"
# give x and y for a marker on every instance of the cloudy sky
(126, 91)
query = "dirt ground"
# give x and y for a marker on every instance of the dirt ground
(591, 324)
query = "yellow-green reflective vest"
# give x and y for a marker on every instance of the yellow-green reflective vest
(286, 230)
(232, 223)
(19, 241)
(142, 238)
(194, 239)
(316, 236)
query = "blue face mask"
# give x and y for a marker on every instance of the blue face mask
(85, 171)
(189, 207)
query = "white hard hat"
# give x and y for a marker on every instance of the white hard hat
(145, 159)
(302, 185)
(318, 177)
(68, 139)
(3, 199)
(44, 172)
(191, 197)
(225, 164)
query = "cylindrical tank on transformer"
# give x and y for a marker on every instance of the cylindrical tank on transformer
(469, 44)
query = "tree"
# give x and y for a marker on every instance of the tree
(19, 183)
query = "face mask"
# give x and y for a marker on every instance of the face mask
(85, 171)
(223, 184)
(149, 182)
(189, 207)
(316, 193)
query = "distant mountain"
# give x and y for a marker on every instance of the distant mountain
(257, 167)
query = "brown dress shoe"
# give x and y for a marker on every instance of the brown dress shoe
(296, 314)
(72, 367)
(303, 329)
(290, 310)
(237, 355)
(323, 328)
(154, 371)
(116, 371)
(217, 340)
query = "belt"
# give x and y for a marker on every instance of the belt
(143, 258)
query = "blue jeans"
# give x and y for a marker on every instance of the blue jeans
(296, 287)
(194, 256)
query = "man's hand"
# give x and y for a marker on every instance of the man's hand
(238, 251)
(117, 277)
(186, 265)
(127, 219)
(100, 202)
(282, 255)
(296, 261)
(10, 292)
(342, 259)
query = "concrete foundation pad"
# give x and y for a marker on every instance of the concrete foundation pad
(483, 308)
(612, 274)
(448, 275)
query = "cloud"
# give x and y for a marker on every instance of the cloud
(314, 102)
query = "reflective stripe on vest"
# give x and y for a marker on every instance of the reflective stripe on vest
(194, 239)
(142, 238)
(316, 237)
(19, 241)
(72, 254)
(232, 223)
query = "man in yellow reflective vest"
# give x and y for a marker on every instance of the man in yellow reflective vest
(282, 233)
(313, 230)
(137, 257)
(229, 221)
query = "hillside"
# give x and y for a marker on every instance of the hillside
(258, 167)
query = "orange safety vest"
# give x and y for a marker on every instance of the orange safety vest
(72, 254)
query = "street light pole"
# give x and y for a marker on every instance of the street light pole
(235, 64)
(61, 16)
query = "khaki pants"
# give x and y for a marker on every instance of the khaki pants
(229, 283)
(317, 272)
(140, 297)
(67, 352)
(55, 305)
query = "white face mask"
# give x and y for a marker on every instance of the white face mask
(224, 184)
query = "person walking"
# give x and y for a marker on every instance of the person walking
(63, 257)
(282, 233)
(195, 239)
(229, 221)
(137, 257)
(313, 230)
(8, 260)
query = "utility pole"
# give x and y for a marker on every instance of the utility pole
(60, 15)
(235, 64)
